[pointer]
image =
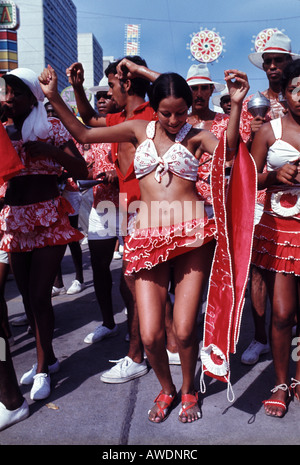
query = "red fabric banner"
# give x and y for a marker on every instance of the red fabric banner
(10, 163)
(234, 216)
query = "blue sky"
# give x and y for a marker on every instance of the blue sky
(167, 25)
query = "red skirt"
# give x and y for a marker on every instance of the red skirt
(146, 248)
(24, 228)
(276, 244)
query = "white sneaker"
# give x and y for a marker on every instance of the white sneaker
(10, 417)
(28, 377)
(124, 370)
(41, 387)
(251, 355)
(101, 332)
(76, 287)
(174, 358)
(117, 255)
(58, 291)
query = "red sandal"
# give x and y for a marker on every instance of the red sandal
(164, 411)
(192, 399)
(278, 403)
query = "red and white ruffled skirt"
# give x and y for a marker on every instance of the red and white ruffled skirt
(276, 244)
(146, 248)
(24, 228)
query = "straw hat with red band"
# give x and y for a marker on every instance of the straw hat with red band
(278, 43)
(200, 75)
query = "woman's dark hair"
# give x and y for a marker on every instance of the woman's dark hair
(139, 86)
(169, 85)
(290, 71)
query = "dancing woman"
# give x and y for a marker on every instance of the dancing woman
(276, 247)
(166, 163)
(34, 223)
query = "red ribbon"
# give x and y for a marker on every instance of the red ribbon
(234, 216)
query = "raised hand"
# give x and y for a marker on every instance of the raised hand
(75, 74)
(127, 69)
(238, 85)
(48, 82)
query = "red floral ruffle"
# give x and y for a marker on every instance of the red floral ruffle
(146, 248)
(42, 224)
(276, 244)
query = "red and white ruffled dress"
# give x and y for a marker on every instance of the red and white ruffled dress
(24, 228)
(146, 248)
(276, 244)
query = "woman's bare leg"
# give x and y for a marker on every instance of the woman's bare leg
(35, 273)
(191, 272)
(151, 295)
(10, 394)
(284, 297)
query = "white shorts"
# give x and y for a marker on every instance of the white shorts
(259, 209)
(4, 257)
(105, 225)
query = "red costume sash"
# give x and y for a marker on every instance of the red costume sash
(10, 163)
(234, 216)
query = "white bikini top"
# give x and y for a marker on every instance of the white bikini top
(280, 152)
(177, 159)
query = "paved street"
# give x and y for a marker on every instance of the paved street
(83, 411)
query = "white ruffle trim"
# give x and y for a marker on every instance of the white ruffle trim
(216, 369)
(278, 208)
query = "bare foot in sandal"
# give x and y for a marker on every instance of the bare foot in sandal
(276, 406)
(189, 411)
(162, 407)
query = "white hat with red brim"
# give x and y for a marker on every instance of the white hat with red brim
(200, 75)
(278, 43)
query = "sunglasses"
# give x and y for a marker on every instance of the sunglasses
(103, 95)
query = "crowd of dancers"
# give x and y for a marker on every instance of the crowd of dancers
(157, 160)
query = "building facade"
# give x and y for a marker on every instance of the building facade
(90, 54)
(47, 35)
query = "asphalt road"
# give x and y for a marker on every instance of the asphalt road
(82, 410)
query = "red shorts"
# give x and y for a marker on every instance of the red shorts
(146, 248)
